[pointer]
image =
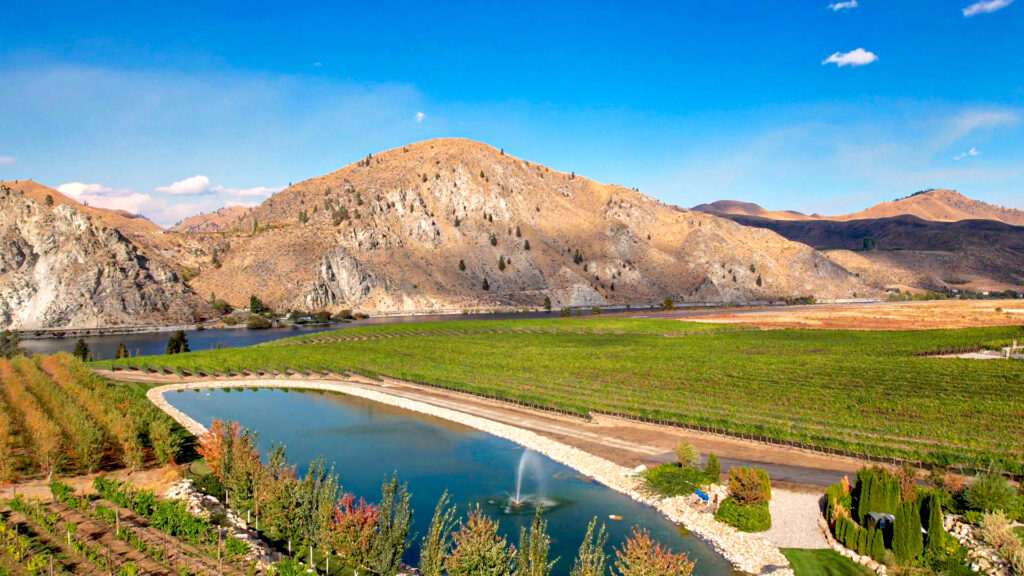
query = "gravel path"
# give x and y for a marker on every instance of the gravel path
(795, 520)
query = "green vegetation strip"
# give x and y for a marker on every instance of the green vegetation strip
(823, 563)
(863, 393)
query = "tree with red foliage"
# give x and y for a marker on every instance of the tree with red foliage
(353, 529)
(641, 556)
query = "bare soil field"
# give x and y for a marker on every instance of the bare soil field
(929, 315)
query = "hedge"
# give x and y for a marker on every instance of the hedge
(754, 518)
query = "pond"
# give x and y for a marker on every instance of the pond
(367, 441)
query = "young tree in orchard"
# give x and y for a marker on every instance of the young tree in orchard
(478, 549)
(592, 559)
(438, 540)
(641, 556)
(532, 557)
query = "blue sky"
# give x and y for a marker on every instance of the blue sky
(174, 110)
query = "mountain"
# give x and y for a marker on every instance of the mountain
(221, 220)
(939, 206)
(932, 240)
(737, 208)
(425, 227)
(64, 265)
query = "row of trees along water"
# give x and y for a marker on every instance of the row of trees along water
(313, 515)
(57, 416)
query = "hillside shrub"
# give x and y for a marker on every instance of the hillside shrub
(257, 323)
(991, 492)
(751, 518)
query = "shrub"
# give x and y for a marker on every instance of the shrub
(751, 518)
(547, 303)
(669, 480)
(686, 454)
(81, 350)
(257, 323)
(749, 485)
(991, 492)
(713, 469)
(668, 304)
(565, 313)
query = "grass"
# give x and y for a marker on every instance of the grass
(1019, 531)
(823, 563)
(861, 392)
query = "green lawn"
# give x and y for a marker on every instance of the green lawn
(863, 392)
(823, 563)
(1019, 530)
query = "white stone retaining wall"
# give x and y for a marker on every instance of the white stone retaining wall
(749, 553)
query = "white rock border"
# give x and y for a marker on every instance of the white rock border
(750, 553)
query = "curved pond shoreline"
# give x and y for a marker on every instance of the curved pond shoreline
(749, 553)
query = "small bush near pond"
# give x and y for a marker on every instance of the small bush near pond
(670, 480)
(753, 518)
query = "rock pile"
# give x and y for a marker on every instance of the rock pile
(984, 559)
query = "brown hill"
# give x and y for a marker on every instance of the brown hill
(737, 208)
(939, 206)
(65, 266)
(222, 220)
(424, 227)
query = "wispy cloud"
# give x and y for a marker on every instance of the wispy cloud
(419, 117)
(972, 152)
(853, 58)
(192, 186)
(970, 121)
(985, 7)
(6, 160)
(839, 6)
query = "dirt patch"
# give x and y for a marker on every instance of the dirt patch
(929, 315)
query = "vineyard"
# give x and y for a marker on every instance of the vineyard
(56, 416)
(868, 393)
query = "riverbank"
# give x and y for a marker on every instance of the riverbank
(749, 553)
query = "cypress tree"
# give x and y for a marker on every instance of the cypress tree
(862, 541)
(877, 544)
(936, 530)
(907, 543)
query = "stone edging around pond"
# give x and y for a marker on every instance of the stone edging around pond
(749, 553)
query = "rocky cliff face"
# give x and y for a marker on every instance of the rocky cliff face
(450, 224)
(61, 269)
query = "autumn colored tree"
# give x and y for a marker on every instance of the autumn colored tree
(479, 550)
(641, 556)
(216, 444)
(353, 529)
(749, 486)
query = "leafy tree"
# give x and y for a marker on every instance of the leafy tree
(526, 244)
(494, 240)
(10, 342)
(49, 199)
(437, 542)
(81, 350)
(591, 559)
(713, 468)
(668, 304)
(519, 233)
(385, 557)
(257, 323)
(759, 282)
(565, 313)
(462, 265)
(686, 454)
(641, 556)
(501, 263)
(478, 549)
(486, 284)
(547, 303)
(353, 529)
(256, 305)
(532, 557)
(121, 352)
(177, 343)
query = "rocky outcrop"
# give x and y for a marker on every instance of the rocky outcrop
(60, 269)
(340, 279)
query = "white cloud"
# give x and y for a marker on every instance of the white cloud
(256, 192)
(101, 196)
(972, 152)
(971, 120)
(836, 7)
(6, 160)
(985, 7)
(420, 116)
(858, 57)
(193, 186)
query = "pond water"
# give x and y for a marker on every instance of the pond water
(368, 441)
